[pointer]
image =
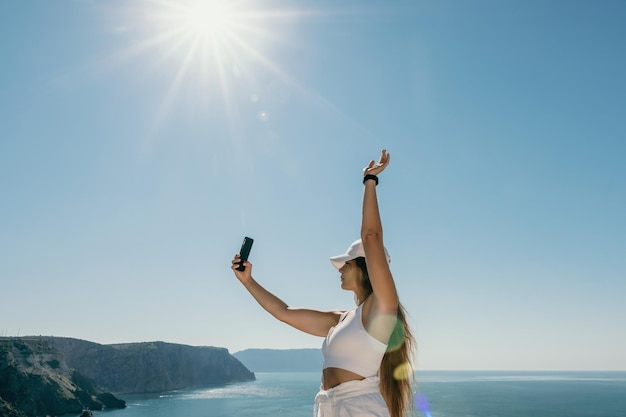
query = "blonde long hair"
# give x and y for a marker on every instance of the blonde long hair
(396, 369)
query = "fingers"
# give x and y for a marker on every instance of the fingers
(376, 168)
(384, 158)
(236, 262)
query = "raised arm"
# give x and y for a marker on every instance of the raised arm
(384, 288)
(314, 322)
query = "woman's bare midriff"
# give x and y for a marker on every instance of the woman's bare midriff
(331, 377)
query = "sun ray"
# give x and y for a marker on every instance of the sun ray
(174, 87)
(214, 50)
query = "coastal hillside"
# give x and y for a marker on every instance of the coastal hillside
(151, 366)
(35, 380)
(288, 360)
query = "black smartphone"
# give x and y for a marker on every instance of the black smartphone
(244, 252)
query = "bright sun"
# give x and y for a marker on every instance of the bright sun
(207, 44)
(199, 20)
(211, 54)
(208, 18)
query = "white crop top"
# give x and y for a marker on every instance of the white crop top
(349, 346)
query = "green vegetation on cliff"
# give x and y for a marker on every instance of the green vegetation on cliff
(151, 366)
(35, 380)
(56, 376)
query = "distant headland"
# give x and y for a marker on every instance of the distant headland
(287, 360)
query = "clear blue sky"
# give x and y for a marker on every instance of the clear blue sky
(140, 141)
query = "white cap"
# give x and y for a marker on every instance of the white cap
(354, 251)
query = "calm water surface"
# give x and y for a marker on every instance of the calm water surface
(447, 394)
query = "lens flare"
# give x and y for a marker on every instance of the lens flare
(382, 323)
(421, 403)
(403, 371)
(396, 341)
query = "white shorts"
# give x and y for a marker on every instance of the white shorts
(351, 399)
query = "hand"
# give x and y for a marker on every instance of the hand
(374, 168)
(244, 275)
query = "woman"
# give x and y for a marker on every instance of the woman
(367, 350)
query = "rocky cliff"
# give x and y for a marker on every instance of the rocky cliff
(151, 366)
(36, 380)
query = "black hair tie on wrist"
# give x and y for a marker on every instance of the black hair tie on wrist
(370, 177)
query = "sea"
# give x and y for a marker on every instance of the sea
(437, 394)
